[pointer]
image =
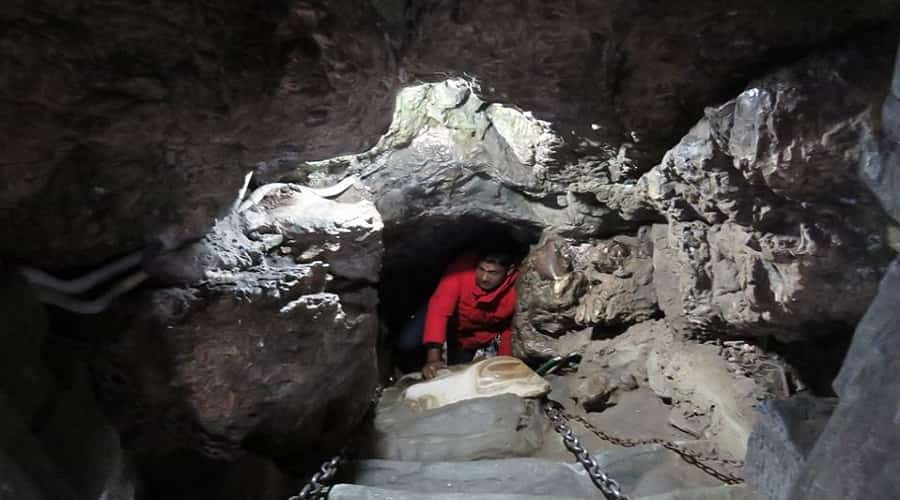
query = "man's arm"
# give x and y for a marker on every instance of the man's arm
(441, 308)
(508, 309)
(505, 348)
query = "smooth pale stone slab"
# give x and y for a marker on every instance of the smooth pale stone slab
(497, 427)
(354, 492)
(489, 377)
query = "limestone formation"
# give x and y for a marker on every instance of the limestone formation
(130, 136)
(854, 456)
(271, 335)
(611, 366)
(753, 245)
(486, 378)
(598, 284)
(690, 166)
(695, 374)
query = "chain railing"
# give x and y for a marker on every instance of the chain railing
(690, 456)
(319, 484)
(318, 487)
(601, 480)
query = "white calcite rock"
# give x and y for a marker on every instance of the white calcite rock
(493, 376)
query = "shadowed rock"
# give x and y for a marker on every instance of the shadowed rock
(271, 339)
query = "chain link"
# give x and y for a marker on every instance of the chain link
(317, 488)
(690, 456)
(601, 480)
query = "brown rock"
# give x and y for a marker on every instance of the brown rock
(270, 352)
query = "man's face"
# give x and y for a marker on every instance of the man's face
(489, 275)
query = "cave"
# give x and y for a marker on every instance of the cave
(217, 217)
(417, 253)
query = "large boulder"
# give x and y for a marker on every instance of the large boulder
(855, 455)
(491, 427)
(270, 341)
(769, 228)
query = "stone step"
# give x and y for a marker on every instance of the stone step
(484, 428)
(357, 492)
(726, 492)
(641, 471)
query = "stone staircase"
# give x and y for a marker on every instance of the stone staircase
(503, 448)
(643, 473)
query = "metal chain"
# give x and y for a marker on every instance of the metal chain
(317, 488)
(690, 456)
(606, 484)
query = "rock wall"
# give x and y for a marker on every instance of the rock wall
(55, 443)
(143, 118)
(724, 236)
(270, 342)
(770, 230)
(853, 456)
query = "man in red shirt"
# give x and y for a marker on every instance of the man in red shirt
(471, 308)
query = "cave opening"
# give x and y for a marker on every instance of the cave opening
(698, 177)
(416, 254)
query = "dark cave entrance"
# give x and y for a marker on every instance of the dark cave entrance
(416, 254)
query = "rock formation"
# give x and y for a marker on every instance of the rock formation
(853, 457)
(269, 341)
(687, 173)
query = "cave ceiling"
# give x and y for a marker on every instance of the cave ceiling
(127, 122)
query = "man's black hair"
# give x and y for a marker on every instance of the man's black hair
(496, 255)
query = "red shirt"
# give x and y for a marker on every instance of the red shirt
(479, 316)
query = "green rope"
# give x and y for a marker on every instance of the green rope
(542, 370)
(555, 362)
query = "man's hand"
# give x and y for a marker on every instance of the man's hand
(433, 363)
(431, 368)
